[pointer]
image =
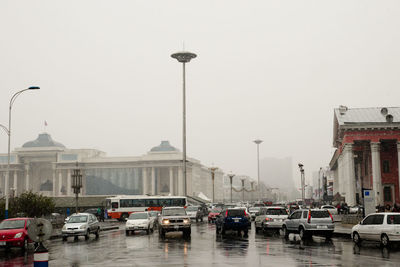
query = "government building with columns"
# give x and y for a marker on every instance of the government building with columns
(45, 166)
(367, 154)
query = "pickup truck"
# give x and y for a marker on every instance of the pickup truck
(174, 219)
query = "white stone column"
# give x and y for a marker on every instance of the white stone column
(336, 181)
(59, 182)
(340, 174)
(54, 182)
(15, 183)
(171, 181)
(180, 181)
(153, 181)
(144, 179)
(27, 177)
(376, 173)
(398, 166)
(349, 175)
(69, 183)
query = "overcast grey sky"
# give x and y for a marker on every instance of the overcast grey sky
(273, 70)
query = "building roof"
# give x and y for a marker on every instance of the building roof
(165, 146)
(43, 140)
(375, 115)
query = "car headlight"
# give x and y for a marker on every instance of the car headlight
(165, 221)
(64, 227)
(186, 221)
(18, 235)
(82, 227)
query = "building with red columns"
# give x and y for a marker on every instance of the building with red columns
(367, 156)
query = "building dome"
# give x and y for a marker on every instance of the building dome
(165, 146)
(43, 140)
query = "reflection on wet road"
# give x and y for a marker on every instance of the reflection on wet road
(205, 248)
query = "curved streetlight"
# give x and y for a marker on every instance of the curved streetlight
(302, 181)
(184, 57)
(258, 142)
(213, 169)
(231, 175)
(12, 100)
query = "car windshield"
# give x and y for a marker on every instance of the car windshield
(215, 211)
(235, 212)
(174, 212)
(254, 209)
(276, 212)
(78, 219)
(153, 213)
(12, 224)
(192, 208)
(319, 214)
(138, 216)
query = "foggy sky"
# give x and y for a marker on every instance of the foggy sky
(273, 70)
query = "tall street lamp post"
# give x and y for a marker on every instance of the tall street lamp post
(184, 57)
(319, 183)
(243, 179)
(302, 181)
(258, 142)
(12, 100)
(213, 169)
(76, 184)
(231, 175)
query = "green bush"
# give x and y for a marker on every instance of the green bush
(29, 204)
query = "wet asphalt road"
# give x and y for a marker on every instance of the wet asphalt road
(204, 248)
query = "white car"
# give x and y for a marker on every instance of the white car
(81, 224)
(383, 227)
(332, 210)
(139, 221)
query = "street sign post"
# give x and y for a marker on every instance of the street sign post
(369, 201)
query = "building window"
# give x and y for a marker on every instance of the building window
(387, 194)
(385, 166)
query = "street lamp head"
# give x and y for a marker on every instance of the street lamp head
(258, 141)
(183, 56)
(34, 88)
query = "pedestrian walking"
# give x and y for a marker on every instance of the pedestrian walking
(102, 214)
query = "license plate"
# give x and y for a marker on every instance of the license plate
(236, 220)
(176, 227)
(322, 227)
(2, 243)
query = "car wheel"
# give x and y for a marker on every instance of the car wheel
(98, 232)
(197, 220)
(285, 232)
(356, 238)
(148, 230)
(246, 233)
(328, 235)
(126, 232)
(384, 240)
(257, 230)
(302, 233)
(87, 234)
(201, 219)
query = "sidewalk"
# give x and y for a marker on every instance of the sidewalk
(104, 226)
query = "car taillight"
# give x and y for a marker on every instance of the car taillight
(309, 217)
(245, 214)
(226, 214)
(330, 215)
(267, 219)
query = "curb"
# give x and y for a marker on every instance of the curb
(56, 236)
